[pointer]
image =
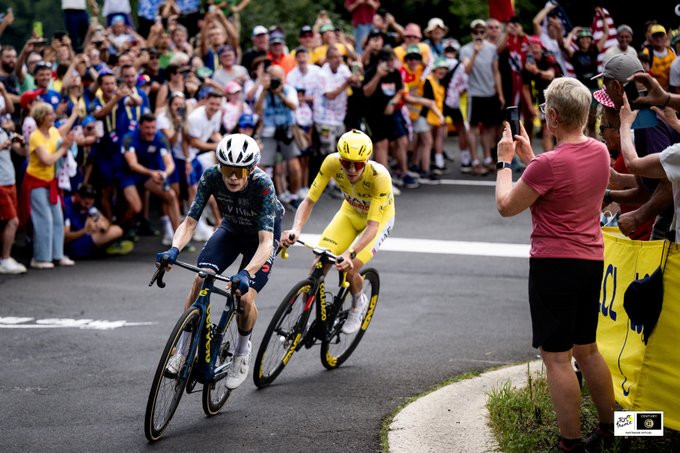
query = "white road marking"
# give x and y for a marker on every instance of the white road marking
(463, 182)
(11, 322)
(497, 249)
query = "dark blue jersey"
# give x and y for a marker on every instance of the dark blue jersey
(149, 154)
(127, 116)
(253, 209)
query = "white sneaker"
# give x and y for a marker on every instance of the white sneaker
(167, 240)
(41, 264)
(238, 371)
(395, 190)
(66, 261)
(174, 365)
(354, 318)
(11, 266)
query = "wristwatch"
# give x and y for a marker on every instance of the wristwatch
(352, 254)
(500, 165)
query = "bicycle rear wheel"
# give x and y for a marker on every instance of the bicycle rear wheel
(167, 390)
(339, 346)
(215, 394)
(284, 334)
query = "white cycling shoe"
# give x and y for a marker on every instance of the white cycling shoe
(355, 316)
(174, 365)
(238, 371)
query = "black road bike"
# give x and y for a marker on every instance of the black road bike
(293, 325)
(206, 361)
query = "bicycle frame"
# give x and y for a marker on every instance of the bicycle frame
(318, 294)
(204, 345)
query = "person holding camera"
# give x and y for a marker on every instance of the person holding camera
(9, 205)
(485, 94)
(563, 189)
(652, 196)
(171, 122)
(276, 104)
(86, 231)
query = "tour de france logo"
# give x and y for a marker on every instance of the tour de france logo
(629, 423)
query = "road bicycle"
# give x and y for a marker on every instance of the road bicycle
(293, 325)
(207, 360)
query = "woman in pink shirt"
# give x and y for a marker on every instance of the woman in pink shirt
(563, 189)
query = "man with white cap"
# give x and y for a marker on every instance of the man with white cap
(260, 47)
(624, 36)
(653, 196)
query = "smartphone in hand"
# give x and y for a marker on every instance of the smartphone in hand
(632, 94)
(512, 117)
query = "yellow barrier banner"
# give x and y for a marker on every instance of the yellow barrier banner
(645, 377)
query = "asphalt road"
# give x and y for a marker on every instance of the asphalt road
(73, 389)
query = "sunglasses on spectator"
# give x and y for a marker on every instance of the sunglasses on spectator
(89, 128)
(541, 108)
(604, 127)
(347, 164)
(307, 35)
(228, 170)
(477, 32)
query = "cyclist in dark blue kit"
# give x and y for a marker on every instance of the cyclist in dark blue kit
(147, 165)
(251, 226)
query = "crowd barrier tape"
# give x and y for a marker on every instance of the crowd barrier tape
(646, 377)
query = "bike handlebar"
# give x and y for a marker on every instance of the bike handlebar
(160, 273)
(318, 251)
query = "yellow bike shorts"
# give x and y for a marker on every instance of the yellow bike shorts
(346, 226)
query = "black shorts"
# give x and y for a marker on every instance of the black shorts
(564, 297)
(455, 114)
(485, 111)
(386, 127)
(225, 245)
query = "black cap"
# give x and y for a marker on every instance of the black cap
(305, 29)
(375, 32)
(301, 49)
(87, 191)
(386, 53)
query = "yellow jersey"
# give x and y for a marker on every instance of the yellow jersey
(35, 166)
(371, 197)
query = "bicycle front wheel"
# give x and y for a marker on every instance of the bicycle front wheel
(284, 334)
(167, 388)
(215, 394)
(337, 346)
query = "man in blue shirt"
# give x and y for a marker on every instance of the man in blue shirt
(43, 76)
(147, 165)
(133, 106)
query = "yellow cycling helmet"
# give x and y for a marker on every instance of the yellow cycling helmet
(355, 145)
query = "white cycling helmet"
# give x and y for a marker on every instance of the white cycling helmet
(238, 150)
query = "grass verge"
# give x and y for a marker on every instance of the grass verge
(387, 421)
(522, 420)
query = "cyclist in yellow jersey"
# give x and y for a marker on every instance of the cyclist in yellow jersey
(364, 220)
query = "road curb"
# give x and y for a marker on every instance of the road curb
(454, 417)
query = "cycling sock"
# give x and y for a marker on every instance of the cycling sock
(243, 342)
(355, 300)
(183, 343)
(439, 160)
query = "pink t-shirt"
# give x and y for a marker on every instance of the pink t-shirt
(571, 181)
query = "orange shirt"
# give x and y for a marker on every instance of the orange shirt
(286, 61)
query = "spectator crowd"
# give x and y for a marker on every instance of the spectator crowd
(112, 118)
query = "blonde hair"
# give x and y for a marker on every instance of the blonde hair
(40, 111)
(571, 99)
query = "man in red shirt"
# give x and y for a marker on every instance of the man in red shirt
(362, 18)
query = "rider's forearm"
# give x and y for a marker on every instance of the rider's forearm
(302, 214)
(367, 236)
(184, 233)
(263, 252)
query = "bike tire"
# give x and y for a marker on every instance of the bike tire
(153, 430)
(339, 347)
(284, 334)
(215, 394)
